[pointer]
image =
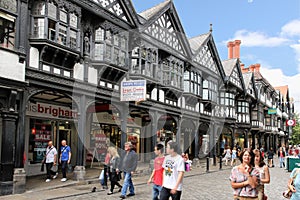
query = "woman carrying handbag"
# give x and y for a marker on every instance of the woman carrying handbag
(114, 173)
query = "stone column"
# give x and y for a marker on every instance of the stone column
(154, 130)
(7, 152)
(124, 117)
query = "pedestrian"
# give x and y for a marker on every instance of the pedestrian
(173, 173)
(157, 174)
(65, 158)
(281, 156)
(227, 156)
(105, 168)
(113, 170)
(270, 157)
(50, 160)
(233, 156)
(294, 184)
(264, 173)
(128, 166)
(244, 177)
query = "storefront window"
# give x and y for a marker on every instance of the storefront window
(40, 135)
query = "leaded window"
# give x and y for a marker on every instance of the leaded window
(228, 99)
(172, 69)
(7, 30)
(144, 61)
(243, 107)
(110, 47)
(55, 23)
(209, 90)
(192, 82)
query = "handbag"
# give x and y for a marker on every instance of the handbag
(288, 193)
(101, 176)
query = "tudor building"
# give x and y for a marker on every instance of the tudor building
(62, 80)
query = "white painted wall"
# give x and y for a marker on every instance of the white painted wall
(10, 67)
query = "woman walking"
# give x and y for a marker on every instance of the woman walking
(227, 155)
(233, 156)
(113, 169)
(264, 173)
(244, 177)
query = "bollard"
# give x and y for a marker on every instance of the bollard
(215, 160)
(221, 162)
(207, 164)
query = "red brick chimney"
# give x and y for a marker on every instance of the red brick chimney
(252, 68)
(244, 70)
(237, 44)
(257, 67)
(230, 46)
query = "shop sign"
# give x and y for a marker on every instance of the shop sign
(291, 122)
(100, 143)
(272, 111)
(50, 111)
(133, 90)
(10, 5)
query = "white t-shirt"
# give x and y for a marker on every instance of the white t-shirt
(50, 153)
(172, 166)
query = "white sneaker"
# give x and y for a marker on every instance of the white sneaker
(55, 176)
(63, 180)
(48, 180)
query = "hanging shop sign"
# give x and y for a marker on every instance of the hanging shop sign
(272, 111)
(133, 90)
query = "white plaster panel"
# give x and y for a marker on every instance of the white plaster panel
(34, 57)
(78, 71)
(10, 67)
(92, 75)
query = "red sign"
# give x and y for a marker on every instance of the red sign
(100, 143)
(291, 122)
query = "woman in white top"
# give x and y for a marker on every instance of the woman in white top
(227, 155)
(263, 173)
(233, 156)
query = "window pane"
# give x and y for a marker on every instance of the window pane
(73, 20)
(123, 43)
(7, 33)
(99, 51)
(51, 30)
(63, 16)
(116, 40)
(62, 35)
(73, 39)
(39, 8)
(108, 52)
(39, 27)
(52, 10)
(99, 34)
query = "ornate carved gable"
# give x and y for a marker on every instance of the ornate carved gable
(114, 6)
(205, 58)
(251, 88)
(164, 30)
(235, 77)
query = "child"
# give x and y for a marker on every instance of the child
(157, 174)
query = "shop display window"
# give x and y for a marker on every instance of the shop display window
(40, 135)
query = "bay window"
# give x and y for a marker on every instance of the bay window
(55, 23)
(209, 91)
(7, 30)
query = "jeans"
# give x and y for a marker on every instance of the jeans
(127, 184)
(49, 171)
(155, 191)
(64, 166)
(165, 194)
(281, 162)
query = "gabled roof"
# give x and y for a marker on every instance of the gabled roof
(229, 65)
(147, 14)
(162, 23)
(198, 41)
(247, 79)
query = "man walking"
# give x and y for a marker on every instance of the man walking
(128, 166)
(173, 173)
(65, 158)
(50, 160)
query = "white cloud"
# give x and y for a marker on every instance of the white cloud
(276, 77)
(296, 48)
(292, 28)
(258, 39)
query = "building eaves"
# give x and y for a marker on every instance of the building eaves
(198, 41)
(147, 14)
(229, 65)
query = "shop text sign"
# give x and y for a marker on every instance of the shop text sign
(50, 111)
(133, 90)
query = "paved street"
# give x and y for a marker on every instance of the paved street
(197, 185)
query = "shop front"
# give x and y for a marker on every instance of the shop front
(45, 122)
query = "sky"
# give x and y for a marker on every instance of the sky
(269, 32)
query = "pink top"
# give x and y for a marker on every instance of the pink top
(238, 177)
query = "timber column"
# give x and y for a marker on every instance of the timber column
(7, 151)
